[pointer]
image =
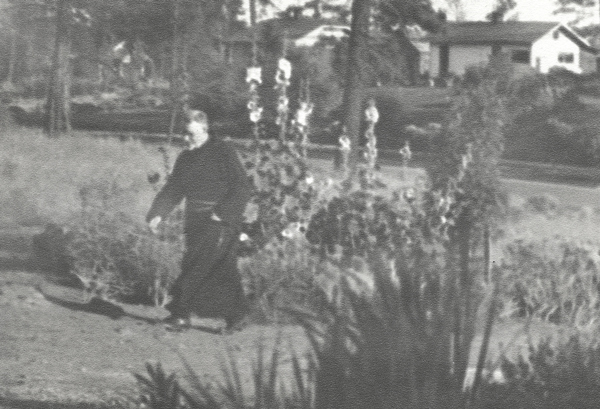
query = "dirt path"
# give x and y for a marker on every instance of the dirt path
(51, 353)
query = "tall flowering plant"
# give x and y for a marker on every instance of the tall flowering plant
(301, 120)
(254, 80)
(371, 151)
(345, 149)
(282, 82)
(284, 188)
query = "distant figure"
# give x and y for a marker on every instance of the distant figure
(216, 188)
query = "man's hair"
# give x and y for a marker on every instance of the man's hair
(197, 116)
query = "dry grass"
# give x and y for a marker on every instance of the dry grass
(42, 178)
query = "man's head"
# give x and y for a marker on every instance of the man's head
(197, 128)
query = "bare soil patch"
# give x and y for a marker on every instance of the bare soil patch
(51, 354)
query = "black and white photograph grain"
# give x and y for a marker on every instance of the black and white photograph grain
(300, 204)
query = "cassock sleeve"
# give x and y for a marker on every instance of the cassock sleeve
(171, 193)
(231, 208)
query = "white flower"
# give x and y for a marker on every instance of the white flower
(282, 103)
(465, 161)
(344, 142)
(303, 112)
(244, 237)
(255, 115)
(254, 74)
(371, 112)
(405, 152)
(285, 67)
(287, 233)
(409, 194)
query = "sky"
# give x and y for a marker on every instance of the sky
(526, 10)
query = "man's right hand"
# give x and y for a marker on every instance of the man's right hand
(154, 224)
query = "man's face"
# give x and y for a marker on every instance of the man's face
(198, 134)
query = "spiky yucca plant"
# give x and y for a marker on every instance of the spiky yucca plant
(159, 390)
(269, 390)
(391, 349)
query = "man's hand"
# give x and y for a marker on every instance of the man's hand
(154, 224)
(215, 218)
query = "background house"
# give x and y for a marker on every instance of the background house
(537, 45)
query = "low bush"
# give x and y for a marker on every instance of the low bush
(553, 279)
(280, 276)
(545, 204)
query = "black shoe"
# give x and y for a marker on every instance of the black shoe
(177, 324)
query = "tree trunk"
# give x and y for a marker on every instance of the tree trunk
(58, 104)
(175, 70)
(12, 59)
(252, 12)
(353, 92)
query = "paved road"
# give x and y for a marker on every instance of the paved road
(566, 194)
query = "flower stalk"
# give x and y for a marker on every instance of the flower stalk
(282, 82)
(372, 117)
(345, 148)
(254, 79)
(301, 121)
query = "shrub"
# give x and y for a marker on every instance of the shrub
(279, 276)
(283, 189)
(546, 204)
(554, 279)
(113, 251)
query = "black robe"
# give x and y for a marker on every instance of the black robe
(211, 179)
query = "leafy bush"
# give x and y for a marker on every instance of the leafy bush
(357, 221)
(279, 276)
(112, 250)
(554, 279)
(544, 204)
(283, 188)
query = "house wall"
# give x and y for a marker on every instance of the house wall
(545, 53)
(588, 62)
(464, 56)
(461, 57)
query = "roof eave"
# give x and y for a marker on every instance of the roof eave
(482, 42)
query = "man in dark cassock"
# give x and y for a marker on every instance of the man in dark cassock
(216, 189)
